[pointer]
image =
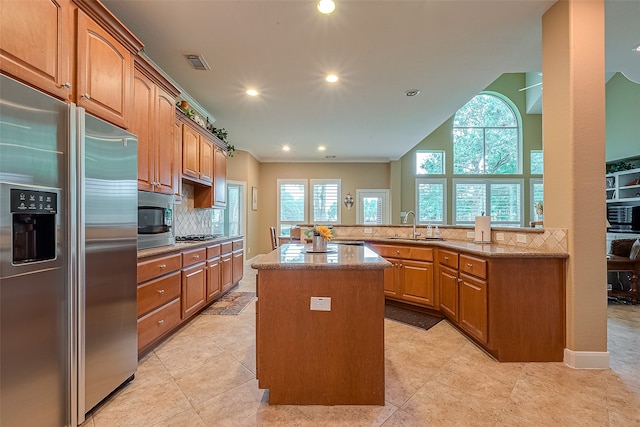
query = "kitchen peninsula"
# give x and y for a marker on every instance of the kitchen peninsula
(320, 325)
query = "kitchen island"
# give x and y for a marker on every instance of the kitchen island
(320, 325)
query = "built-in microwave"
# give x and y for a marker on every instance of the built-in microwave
(155, 220)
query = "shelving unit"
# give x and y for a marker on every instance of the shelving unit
(623, 187)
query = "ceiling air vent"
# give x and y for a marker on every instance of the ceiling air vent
(197, 61)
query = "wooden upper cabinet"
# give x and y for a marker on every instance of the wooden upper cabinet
(35, 40)
(220, 178)
(142, 125)
(206, 160)
(190, 152)
(153, 120)
(104, 73)
(177, 149)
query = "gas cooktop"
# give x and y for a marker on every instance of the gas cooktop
(197, 237)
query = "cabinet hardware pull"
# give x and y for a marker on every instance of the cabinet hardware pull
(469, 265)
(163, 266)
(67, 85)
(196, 256)
(161, 322)
(86, 96)
(161, 291)
(446, 258)
(459, 280)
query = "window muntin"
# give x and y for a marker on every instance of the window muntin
(326, 201)
(292, 204)
(486, 137)
(431, 201)
(430, 162)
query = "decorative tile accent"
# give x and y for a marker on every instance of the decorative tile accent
(190, 220)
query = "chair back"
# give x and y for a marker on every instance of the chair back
(274, 238)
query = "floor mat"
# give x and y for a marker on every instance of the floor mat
(410, 317)
(231, 303)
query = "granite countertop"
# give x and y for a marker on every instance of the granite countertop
(181, 246)
(486, 250)
(294, 256)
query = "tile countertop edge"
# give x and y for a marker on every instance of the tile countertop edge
(181, 246)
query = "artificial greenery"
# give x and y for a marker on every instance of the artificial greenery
(619, 166)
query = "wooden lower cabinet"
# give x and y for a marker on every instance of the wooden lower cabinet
(448, 281)
(473, 306)
(417, 282)
(214, 288)
(194, 289)
(237, 261)
(158, 323)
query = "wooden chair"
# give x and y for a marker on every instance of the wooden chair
(295, 233)
(274, 238)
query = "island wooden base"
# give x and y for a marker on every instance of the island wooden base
(307, 357)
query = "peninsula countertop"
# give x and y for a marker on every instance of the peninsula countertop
(297, 256)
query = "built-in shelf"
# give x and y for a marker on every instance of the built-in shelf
(623, 186)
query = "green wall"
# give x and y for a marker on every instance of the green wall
(441, 139)
(623, 118)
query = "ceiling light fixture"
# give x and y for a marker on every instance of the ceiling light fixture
(326, 6)
(286, 148)
(252, 92)
(412, 92)
(637, 48)
(331, 78)
(321, 148)
(197, 61)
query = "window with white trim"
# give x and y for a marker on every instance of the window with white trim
(430, 162)
(325, 207)
(486, 137)
(537, 196)
(431, 197)
(499, 198)
(372, 207)
(292, 204)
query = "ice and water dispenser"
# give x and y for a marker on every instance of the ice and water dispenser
(33, 225)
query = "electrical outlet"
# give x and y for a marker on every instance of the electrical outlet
(521, 238)
(471, 234)
(368, 230)
(320, 304)
(499, 237)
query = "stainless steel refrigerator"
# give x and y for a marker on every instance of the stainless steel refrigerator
(68, 242)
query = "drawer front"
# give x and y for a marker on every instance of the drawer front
(158, 267)
(213, 251)
(158, 292)
(238, 244)
(474, 266)
(404, 252)
(226, 248)
(158, 322)
(193, 256)
(450, 259)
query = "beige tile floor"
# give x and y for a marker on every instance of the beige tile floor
(205, 376)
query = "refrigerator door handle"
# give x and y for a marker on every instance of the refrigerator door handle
(79, 212)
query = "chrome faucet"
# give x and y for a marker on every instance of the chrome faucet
(414, 235)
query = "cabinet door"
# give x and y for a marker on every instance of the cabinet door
(417, 282)
(220, 178)
(226, 274)
(177, 151)
(213, 279)
(473, 307)
(206, 160)
(391, 285)
(448, 282)
(35, 38)
(190, 151)
(164, 122)
(237, 264)
(105, 73)
(194, 289)
(141, 125)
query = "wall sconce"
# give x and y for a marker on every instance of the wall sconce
(348, 201)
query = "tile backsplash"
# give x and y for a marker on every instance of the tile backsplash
(190, 220)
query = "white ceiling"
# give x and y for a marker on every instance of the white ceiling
(449, 50)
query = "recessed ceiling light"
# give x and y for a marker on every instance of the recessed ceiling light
(412, 92)
(326, 6)
(286, 148)
(331, 78)
(322, 148)
(637, 48)
(252, 92)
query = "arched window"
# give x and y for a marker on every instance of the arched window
(486, 137)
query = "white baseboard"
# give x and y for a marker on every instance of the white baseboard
(586, 359)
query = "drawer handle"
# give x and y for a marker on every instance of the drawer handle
(163, 266)
(397, 252)
(469, 265)
(67, 85)
(446, 258)
(161, 291)
(196, 257)
(161, 322)
(459, 280)
(86, 96)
